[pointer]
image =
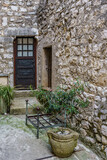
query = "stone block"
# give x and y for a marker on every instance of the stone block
(104, 140)
(23, 10)
(102, 79)
(3, 80)
(8, 56)
(85, 124)
(98, 137)
(14, 8)
(104, 34)
(83, 132)
(104, 130)
(103, 2)
(90, 140)
(4, 23)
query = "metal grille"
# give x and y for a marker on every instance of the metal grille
(42, 121)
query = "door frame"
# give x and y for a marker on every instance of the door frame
(44, 72)
(15, 54)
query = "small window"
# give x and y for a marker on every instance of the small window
(30, 47)
(19, 47)
(25, 47)
(19, 54)
(24, 40)
(19, 40)
(30, 53)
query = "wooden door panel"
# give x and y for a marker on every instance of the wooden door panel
(25, 72)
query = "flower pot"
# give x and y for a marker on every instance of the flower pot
(63, 145)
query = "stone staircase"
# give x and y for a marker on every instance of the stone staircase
(19, 104)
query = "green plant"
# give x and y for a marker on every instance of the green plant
(6, 93)
(65, 103)
(43, 96)
(61, 100)
(71, 100)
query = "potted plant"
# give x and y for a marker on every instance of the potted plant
(67, 103)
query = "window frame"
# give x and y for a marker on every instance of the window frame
(24, 50)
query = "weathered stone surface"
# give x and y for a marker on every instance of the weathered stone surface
(14, 8)
(104, 140)
(98, 138)
(103, 2)
(104, 130)
(85, 124)
(4, 23)
(106, 151)
(83, 132)
(91, 140)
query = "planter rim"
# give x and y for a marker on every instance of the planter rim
(63, 137)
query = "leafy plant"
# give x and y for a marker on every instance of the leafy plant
(61, 100)
(6, 93)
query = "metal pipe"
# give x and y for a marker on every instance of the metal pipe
(37, 125)
(26, 111)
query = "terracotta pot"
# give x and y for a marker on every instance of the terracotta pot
(63, 145)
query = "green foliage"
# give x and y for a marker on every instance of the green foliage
(61, 100)
(6, 92)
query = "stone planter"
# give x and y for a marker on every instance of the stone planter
(63, 145)
(3, 108)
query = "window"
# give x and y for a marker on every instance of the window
(25, 47)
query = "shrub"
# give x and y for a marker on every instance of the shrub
(61, 100)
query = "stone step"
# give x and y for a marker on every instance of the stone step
(18, 106)
(23, 93)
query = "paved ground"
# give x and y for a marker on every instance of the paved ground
(18, 142)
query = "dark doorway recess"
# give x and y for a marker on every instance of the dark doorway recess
(24, 62)
(48, 65)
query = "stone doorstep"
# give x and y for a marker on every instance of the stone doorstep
(18, 106)
(21, 111)
(23, 93)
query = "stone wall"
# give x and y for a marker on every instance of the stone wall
(77, 32)
(17, 18)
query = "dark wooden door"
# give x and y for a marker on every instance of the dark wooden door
(48, 55)
(25, 63)
(50, 67)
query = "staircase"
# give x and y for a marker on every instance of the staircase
(19, 104)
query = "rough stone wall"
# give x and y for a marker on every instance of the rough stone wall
(17, 18)
(77, 31)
